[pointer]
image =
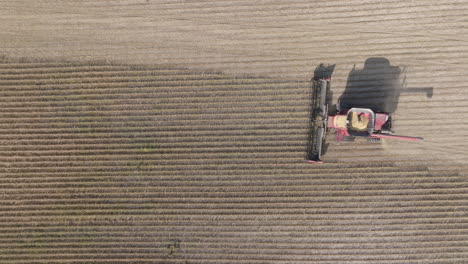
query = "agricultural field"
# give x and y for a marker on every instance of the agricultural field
(142, 131)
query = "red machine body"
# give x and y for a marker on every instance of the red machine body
(363, 122)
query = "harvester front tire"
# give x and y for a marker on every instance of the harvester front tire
(374, 140)
(348, 139)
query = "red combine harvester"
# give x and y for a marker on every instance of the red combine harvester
(347, 123)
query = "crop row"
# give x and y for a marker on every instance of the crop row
(232, 255)
(385, 182)
(102, 200)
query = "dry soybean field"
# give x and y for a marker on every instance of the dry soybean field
(153, 131)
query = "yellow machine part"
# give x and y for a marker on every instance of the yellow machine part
(340, 121)
(359, 123)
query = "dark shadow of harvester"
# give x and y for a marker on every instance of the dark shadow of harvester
(321, 97)
(377, 86)
(405, 89)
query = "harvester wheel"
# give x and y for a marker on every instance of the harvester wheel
(373, 140)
